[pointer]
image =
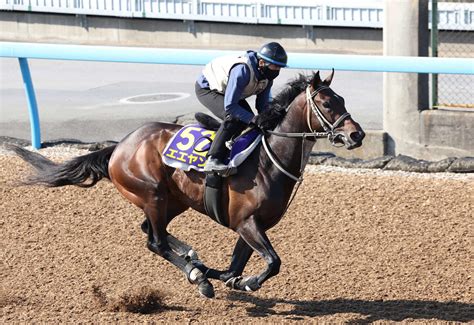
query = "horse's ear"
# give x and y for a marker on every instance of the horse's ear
(316, 80)
(328, 80)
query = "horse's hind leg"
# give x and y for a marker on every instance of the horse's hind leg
(158, 242)
(181, 248)
(240, 256)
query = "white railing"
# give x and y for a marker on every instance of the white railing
(346, 13)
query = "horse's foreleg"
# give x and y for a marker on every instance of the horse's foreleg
(240, 257)
(256, 238)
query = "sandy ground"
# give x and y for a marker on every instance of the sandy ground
(356, 246)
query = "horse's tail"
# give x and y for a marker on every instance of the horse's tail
(83, 171)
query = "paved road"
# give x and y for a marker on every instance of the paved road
(82, 100)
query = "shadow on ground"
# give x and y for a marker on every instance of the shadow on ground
(370, 311)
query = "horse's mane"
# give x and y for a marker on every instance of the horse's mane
(277, 110)
(292, 89)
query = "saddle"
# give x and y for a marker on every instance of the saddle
(188, 149)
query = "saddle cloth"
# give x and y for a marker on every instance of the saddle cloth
(188, 148)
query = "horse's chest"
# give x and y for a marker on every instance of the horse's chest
(272, 205)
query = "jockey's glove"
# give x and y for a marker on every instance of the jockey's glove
(263, 123)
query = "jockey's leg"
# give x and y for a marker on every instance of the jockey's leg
(219, 152)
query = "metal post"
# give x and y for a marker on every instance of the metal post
(32, 106)
(434, 52)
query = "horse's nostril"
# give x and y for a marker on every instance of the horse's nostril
(357, 136)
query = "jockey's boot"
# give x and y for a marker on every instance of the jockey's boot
(219, 152)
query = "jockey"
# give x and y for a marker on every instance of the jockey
(223, 86)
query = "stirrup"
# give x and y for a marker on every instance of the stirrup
(228, 172)
(214, 165)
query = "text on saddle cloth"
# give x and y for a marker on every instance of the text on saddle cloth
(188, 148)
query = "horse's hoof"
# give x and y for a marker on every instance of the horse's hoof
(204, 286)
(206, 289)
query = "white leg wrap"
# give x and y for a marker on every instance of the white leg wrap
(194, 274)
(192, 255)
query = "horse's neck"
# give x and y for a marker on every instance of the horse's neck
(294, 120)
(292, 153)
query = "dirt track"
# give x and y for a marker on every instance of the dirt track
(355, 248)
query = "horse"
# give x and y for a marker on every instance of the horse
(255, 199)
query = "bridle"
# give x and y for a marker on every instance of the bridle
(329, 132)
(329, 128)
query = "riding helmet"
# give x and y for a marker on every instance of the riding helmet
(274, 53)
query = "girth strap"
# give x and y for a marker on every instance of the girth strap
(213, 198)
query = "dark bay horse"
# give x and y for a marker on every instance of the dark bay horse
(255, 199)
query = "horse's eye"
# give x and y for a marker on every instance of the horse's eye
(327, 105)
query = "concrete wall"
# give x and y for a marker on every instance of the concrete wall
(93, 30)
(58, 28)
(446, 133)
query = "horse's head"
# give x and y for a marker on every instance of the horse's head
(326, 112)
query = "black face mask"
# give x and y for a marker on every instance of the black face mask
(269, 73)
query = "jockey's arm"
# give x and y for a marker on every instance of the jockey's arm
(263, 99)
(239, 78)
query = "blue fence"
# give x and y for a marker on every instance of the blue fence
(23, 51)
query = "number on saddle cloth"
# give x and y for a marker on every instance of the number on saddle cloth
(188, 148)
